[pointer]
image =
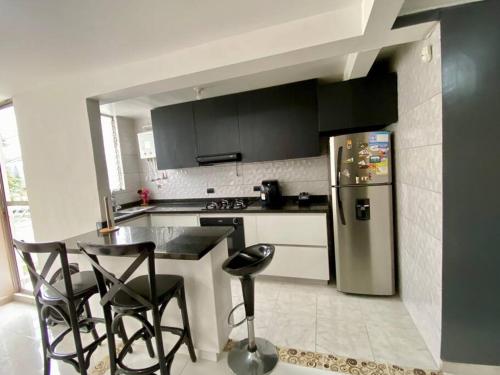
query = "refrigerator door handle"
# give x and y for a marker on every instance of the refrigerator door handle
(337, 188)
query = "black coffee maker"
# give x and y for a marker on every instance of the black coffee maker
(270, 194)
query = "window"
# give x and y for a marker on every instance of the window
(14, 186)
(112, 152)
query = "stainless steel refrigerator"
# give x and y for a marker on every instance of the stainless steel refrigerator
(361, 174)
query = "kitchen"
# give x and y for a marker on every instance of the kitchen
(340, 176)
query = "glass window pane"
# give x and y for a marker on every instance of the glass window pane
(15, 186)
(112, 153)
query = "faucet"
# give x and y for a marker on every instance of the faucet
(115, 207)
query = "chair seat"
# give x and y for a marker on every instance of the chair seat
(166, 285)
(83, 283)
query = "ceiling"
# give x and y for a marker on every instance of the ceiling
(41, 40)
(330, 69)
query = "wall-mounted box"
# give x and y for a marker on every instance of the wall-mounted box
(146, 145)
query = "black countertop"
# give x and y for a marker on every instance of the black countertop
(186, 243)
(198, 207)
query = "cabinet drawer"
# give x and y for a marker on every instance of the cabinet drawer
(292, 229)
(299, 262)
(174, 220)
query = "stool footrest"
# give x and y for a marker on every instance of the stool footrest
(230, 316)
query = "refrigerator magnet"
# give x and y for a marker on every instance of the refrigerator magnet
(346, 173)
(349, 144)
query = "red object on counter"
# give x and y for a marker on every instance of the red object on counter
(144, 193)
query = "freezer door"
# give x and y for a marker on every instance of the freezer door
(364, 244)
(361, 159)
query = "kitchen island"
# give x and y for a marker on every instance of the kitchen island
(197, 254)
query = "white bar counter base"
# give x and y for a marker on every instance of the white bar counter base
(208, 298)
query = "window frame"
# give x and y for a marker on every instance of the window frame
(117, 154)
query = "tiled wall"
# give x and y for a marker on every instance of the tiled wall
(418, 157)
(228, 180)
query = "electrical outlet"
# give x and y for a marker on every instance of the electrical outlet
(210, 190)
(256, 188)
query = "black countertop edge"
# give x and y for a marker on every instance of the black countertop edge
(319, 204)
(189, 248)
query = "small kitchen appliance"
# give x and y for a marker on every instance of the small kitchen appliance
(270, 194)
(304, 199)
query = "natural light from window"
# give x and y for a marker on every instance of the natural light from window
(112, 153)
(16, 195)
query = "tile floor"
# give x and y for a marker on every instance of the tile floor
(303, 316)
(319, 318)
(20, 351)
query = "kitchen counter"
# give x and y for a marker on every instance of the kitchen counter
(196, 254)
(198, 207)
(187, 243)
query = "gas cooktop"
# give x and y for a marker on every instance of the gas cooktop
(227, 204)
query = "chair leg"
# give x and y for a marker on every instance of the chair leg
(185, 320)
(108, 318)
(164, 368)
(88, 313)
(75, 327)
(45, 341)
(122, 333)
(149, 345)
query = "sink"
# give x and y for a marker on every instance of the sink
(133, 210)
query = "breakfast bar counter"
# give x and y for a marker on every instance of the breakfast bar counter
(195, 253)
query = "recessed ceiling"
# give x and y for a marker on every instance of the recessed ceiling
(327, 70)
(42, 40)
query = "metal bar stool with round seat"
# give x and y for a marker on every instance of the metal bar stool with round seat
(65, 300)
(134, 298)
(251, 356)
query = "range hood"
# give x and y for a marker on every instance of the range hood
(219, 158)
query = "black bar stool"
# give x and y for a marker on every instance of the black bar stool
(62, 302)
(254, 356)
(134, 299)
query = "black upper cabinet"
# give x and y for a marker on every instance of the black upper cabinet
(174, 135)
(216, 123)
(279, 122)
(368, 102)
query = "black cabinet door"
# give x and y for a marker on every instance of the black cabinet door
(375, 100)
(279, 122)
(335, 106)
(359, 104)
(216, 123)
(174, 135)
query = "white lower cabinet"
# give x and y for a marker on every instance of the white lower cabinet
(174, 220)
(300, 241)
(299, 262)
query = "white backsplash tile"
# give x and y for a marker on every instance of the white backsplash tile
(238, 179)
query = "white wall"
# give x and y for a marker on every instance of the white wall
(418, 156)
(59, 162)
